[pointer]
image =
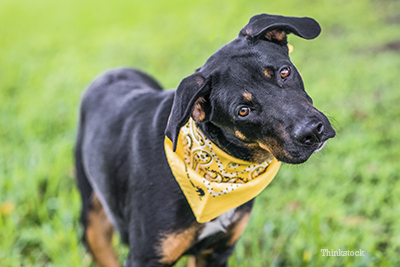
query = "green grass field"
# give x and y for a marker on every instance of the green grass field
(346, 197)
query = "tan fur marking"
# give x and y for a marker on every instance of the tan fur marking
(280, 36)
(272, 146)
(238, 228)
(99, 235)
(268, 72)
(261, 155)
(198, 113)
(275, 35)
(173, 245)
(258, 153)
(264, 146)
(240, 135)
(247, 96)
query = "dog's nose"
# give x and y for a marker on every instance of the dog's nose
(310, 133)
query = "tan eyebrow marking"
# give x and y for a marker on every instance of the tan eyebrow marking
(268, 72)
(247, 96)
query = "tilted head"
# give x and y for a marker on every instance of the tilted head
(249, 98)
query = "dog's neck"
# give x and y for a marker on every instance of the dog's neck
(232, 145)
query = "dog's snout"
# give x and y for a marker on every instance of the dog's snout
(310, 133)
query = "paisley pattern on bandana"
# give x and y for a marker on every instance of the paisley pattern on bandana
(201, 156)
(212, 181)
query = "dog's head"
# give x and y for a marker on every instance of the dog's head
(251, 96)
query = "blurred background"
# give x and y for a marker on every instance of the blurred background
(346, 197)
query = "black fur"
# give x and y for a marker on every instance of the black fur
(123, 121)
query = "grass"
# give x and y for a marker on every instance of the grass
(347, 197)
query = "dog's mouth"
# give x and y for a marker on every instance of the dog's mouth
(320, 146)
(297, 146)
(291, 153)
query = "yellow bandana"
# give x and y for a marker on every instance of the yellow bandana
(213, 181)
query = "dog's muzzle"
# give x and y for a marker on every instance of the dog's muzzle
(315, 131)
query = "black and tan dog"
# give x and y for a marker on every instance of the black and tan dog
(248, 99)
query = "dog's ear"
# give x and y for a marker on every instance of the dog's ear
(274, 28)
(189, 100)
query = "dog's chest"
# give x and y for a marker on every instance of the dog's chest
(219, 224)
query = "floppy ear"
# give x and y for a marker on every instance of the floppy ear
(275, 28)
(188, 96)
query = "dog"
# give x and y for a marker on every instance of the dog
(248, 101)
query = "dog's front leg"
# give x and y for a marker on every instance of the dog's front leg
(166, 250)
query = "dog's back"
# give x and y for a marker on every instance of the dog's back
(108, 133)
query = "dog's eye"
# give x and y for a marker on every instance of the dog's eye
(285, 72)
(244, 111)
